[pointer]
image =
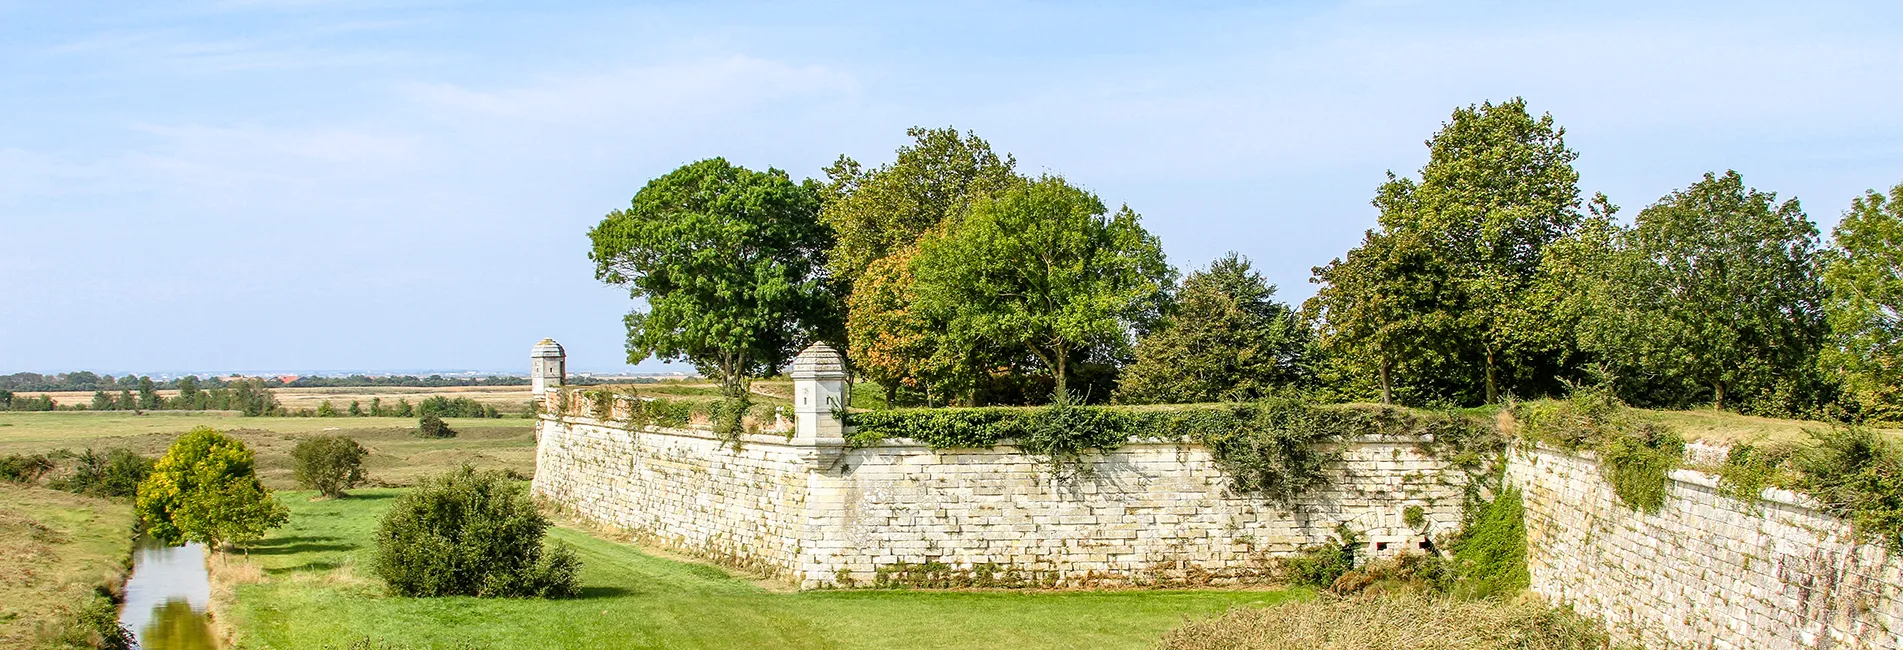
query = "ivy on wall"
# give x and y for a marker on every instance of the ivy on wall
(1277, 447)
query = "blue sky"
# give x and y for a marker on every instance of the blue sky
(311, 185)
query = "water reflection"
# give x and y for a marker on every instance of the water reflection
(166, 598)
(176, 626)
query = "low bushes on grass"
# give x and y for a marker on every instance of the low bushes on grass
(1320, 566)
(24, 468)
(328, 464)
(1398, 622)
(470, 533)
(1857, 475)
(431, 426)
(116, 473)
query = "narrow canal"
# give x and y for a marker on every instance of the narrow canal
(166, 598)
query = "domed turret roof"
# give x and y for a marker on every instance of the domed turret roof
(547, 348)
(818, 361)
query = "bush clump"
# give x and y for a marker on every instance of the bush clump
(116, 473)
(1489, 555)
(328, 464)
(471, 533)
(1397, 622)
(1857, 475)
(431, 426)
(25, 468)
(1321, 565)
(1636, 454)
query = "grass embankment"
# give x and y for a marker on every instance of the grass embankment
(314, 588)
(396, 457)
(57, 550)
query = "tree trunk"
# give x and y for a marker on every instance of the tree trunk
(1493, 390)
(1061, 361)
(1387, 393)
(891, 395)
(1719, 389)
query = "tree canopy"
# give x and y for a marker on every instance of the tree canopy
(1043, 264)
(1442, 286)
(1227, 338)
(731, 264)
(205, 489)
(874, 213)
(1713, 297)
(1865, 280)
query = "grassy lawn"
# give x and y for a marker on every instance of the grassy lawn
(396, 457)
(55, 548)
(316, 587)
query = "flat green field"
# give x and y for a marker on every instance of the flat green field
(396, 457)
(316, 589)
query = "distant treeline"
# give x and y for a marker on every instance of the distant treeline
(21, 382)
(247, 396)
(27, 382)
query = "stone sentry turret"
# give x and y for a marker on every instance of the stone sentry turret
(548, 368)
(819, 383)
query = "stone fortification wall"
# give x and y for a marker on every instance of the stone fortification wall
(819, 514)
(1706, 571)
(679, 487)
(1148, 514)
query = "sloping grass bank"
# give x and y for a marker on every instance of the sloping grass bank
(309, 586)
(58, 551)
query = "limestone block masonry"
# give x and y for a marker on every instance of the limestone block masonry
(1706, 571)
(806, 507)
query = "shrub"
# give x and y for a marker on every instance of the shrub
(206, 489)
(1320, 566)
(24, 468)
(1274, 447)
(1635, 454)
(431, 426)
(1064, 432)
(1403, 622)
(1857, 475)
(1490, 553)
(328, 464)
(1280, 455)
(93, 624)
(1750, 468)
(470, 533)
(1638, 465)
(117, 473)
(1410, 573)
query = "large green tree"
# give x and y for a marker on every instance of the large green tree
(1714, 296)
(1226, 338)
(1865, 278)
(205, 489)
(1498, 187)
(1441, 292)
(1044, 265)
(731, 264)
(1377, 309)
(877, 212)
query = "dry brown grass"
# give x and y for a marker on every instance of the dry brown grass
(1400, 622)
(55, 549)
